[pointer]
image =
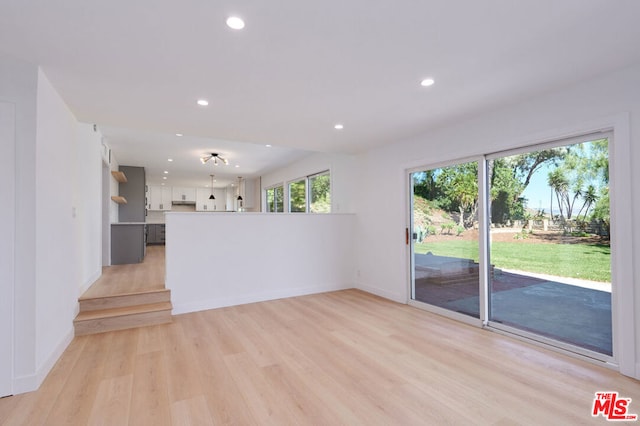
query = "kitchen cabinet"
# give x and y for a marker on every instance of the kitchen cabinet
(204, 204)
(155, 233)
(127, 243)
(133, 191)
(183, 194)
(159, 197)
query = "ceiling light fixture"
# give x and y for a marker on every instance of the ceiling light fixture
(427, 82)
(268, 146)
(202, 102)
(179, 134)
(215, 156)
(211, 197)
(166, 172)
(169, 159)
(338, 126)
(235, 23)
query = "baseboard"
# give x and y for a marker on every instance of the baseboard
(32, 382)
(203, 305)
(400, 298)
(90, 282)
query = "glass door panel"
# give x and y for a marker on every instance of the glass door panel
(445, 237)
(550, 257)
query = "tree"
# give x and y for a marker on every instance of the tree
(525, 165)
(459, 185)
(584, 163)
(589, 196)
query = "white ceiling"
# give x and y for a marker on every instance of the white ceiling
(299, 67)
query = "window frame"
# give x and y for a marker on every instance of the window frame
(617, 129)
(274, 188)
(310, 189)
(307, 189)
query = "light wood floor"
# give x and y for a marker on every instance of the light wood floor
(336, 358)
(133, 278)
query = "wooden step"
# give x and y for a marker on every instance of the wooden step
(120, 318)
(122, 300)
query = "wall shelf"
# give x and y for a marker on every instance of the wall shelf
(119, 176)
(118, 199)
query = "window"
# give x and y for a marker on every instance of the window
(308, 194)
(298, 196)
(320, 193)
(275, 199)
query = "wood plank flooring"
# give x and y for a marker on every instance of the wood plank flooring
(133, 278)
(344, 357)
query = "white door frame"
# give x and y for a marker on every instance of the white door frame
(7, 245)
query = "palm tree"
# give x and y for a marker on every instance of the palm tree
(560, 184)
(590, 197)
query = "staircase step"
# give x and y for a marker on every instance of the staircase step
(122, 300)
(120, 318)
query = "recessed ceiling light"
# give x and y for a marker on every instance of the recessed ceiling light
(235, 23)
(427, 82)
(166, 172)
(203, 102)
(178, 134)
(162, 184)
(169, 159)
(164, 177)
(338, 127)
(237, 165)
(268, 146)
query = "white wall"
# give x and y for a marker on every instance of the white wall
(54, 252)
(18, 85)
(58, 264)
(224, 259)
(610, 100)
(87, 200)
(343, 178)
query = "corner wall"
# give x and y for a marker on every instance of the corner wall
(55, 220)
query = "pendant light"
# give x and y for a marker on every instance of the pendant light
(211, 197)
(239, 183)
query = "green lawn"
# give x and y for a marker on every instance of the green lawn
(590, 262)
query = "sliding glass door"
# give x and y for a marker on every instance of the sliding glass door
(550, 271)
(445, 237)
(538, 261)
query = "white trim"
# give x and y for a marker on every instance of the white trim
(32, 382)
(622, 256)
(396, 297)
(8, 248)
(204, 305)
(92, 279)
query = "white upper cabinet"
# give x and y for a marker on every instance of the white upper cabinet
(159, 197)
(204, 204)
(183, 194)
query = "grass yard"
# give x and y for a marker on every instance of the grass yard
(584, 261)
